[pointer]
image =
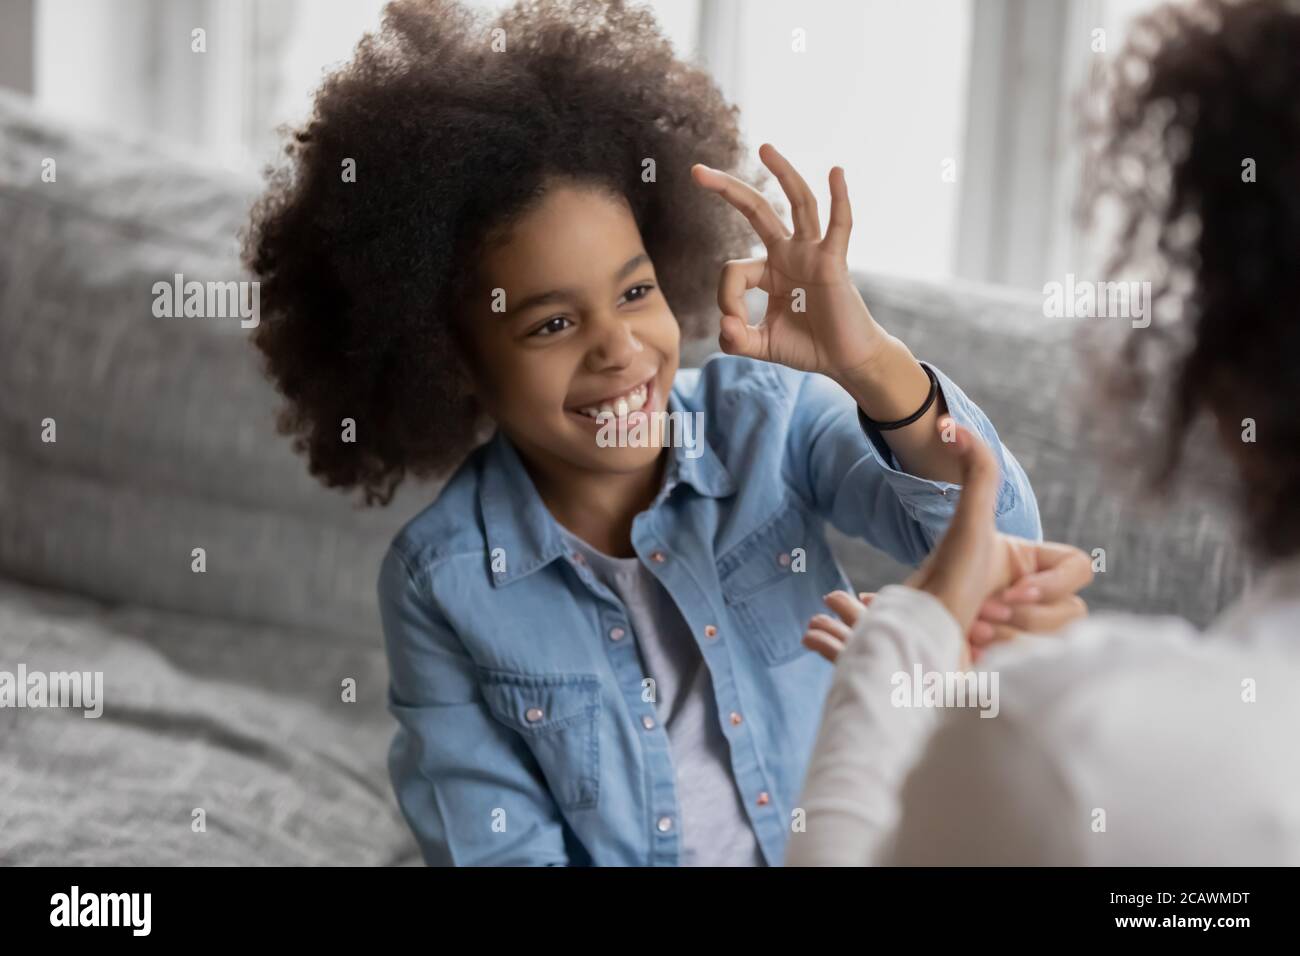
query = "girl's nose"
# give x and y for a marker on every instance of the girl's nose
(615, 345)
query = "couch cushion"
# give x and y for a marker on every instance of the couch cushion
(1027, 373)
(166, 437)
(285, 760)
(165, 426)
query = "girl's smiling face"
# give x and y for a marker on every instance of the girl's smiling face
(586, 330)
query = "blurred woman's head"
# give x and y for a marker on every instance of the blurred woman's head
(1201, 148)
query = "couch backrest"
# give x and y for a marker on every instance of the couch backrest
(165, 426)
(1026, 372)
(165, 435)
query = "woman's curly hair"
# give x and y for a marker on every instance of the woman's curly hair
(1200, 153)
(452, 137)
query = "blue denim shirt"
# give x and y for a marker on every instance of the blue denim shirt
(514, 674)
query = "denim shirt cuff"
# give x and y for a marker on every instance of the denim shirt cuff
(924, 494)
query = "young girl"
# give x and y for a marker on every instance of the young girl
(594, 645)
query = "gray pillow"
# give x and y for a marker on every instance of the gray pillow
(1026, 372)
(164, 426)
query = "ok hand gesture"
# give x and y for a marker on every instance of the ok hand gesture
(816, 321)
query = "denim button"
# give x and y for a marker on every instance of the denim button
(710, 631)
(648, 722)
(657, 557)
(616, 633)
(783, 560)
(763, 799)
(533, 714)
(735, 718)
(665, 824)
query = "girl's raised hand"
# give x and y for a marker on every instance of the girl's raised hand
(816, 321)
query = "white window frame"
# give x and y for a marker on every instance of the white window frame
(1023, 158)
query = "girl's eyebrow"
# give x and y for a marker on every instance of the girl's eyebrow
(566, 295)
(631, 266)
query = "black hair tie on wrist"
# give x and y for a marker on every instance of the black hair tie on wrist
(914, 417)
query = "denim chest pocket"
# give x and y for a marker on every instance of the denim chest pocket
(774, 580)
(558, 716)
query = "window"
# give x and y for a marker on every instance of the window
(878, 87)
(951, 117)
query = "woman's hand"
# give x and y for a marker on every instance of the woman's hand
(973, 562)
(997, 586)
(1041, 602)
(816, 321)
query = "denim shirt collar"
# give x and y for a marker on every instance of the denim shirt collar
(516, 520)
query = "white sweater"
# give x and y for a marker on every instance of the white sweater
(1128, 740)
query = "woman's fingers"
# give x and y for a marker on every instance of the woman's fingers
(959, 569)
(1047, 618)
(995, 611)
(973, 519)
(841, 222)
(1062, 571)
(983, 634)
(748, 200)
(1027, 619)
(803, 204)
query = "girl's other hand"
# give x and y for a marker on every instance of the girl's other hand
(995, 585)
(973, 562)
(827, 635)
(1003, 617)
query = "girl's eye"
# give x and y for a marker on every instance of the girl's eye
(637, 292)
(551, 326)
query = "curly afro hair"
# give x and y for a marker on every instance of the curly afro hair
(453, 138)
(1201, 154)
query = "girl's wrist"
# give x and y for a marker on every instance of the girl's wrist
(871, 342)
(890, 384)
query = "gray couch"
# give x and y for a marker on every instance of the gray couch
(224, 688)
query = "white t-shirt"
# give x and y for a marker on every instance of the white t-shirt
(1128, 740)
(715, 830)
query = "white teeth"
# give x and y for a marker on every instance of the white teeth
(620, 406)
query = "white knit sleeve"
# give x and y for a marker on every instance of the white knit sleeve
(871, 734)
